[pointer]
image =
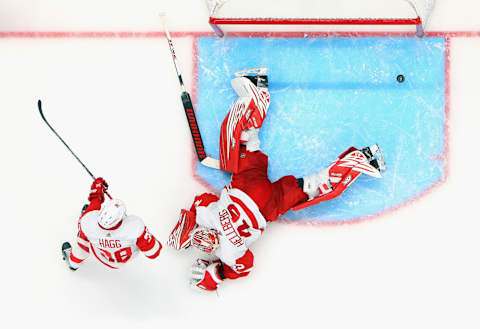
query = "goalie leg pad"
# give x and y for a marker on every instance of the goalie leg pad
(257, 98)
(334, 180)
(246, 115)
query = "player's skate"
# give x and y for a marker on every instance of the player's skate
(245, 116)
(66, 251)
(334, 180)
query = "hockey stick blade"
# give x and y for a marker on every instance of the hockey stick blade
(211, 163)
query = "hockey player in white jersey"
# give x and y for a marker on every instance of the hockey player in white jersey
(225, 226)
(106, 231)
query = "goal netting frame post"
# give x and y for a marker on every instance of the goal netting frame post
(216, 21)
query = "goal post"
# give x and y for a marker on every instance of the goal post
(346, 12)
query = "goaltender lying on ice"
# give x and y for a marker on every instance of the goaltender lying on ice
(225, 226)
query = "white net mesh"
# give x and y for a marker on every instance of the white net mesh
(388, 9)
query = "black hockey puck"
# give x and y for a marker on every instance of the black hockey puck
(400, 78)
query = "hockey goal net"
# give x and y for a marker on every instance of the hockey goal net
(318, 15)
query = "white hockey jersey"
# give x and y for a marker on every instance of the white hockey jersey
(237, 219)
(113, 247)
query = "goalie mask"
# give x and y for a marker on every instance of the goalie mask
(205, 239)
(111, 214)
(187, 233)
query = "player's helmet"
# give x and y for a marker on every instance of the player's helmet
(205, 239)
(112, 212)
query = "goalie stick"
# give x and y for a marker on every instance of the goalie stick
(188, 107)
(68, 147)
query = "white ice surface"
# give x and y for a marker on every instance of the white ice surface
(115, 101)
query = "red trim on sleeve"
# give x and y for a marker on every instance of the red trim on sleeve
(242, 267)
(203, 200)
(75, 259)
(155, 255)
(83, 247)
(81, 234)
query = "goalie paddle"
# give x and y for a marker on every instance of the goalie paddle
(188, 107)
(66, 145)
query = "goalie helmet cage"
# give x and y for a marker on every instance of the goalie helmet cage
(269, 13)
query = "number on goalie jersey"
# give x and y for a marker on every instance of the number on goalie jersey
(239, 223)
(226, 226)
(107, 232)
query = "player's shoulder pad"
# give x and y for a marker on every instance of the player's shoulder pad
(205, 199)
(135, 224)
(89, 220)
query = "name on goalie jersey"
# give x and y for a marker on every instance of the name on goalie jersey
(228, 229)
(106, 243)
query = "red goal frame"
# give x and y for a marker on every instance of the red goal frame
(422, 14)
(216, 21)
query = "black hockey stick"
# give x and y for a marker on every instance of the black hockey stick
(188, 107)
(66, 145)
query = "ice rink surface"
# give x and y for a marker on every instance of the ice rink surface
(330, 94)
(115, 100)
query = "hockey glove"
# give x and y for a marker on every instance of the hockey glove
(206, 275)
(99, 186)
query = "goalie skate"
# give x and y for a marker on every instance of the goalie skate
(375, 157)
(247, 113)
(258, 76)
(334, 180)
(262, 70)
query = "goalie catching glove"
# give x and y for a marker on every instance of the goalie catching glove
(187, 232)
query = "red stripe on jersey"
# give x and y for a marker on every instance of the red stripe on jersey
(155, 255)
(81, 234)
(242, 266)
(75, 259)
(101, 261)
(249, 213)
(83, 247)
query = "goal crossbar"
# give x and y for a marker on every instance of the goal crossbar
(216, 21)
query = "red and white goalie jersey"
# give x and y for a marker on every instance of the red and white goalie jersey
(239, 222)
